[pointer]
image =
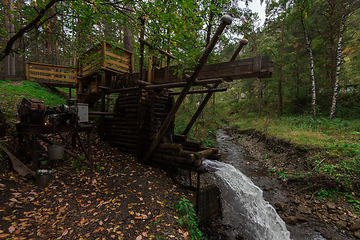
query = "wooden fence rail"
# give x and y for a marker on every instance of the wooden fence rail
(47, 72)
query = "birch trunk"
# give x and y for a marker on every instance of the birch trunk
(338, 68)
(312, 74)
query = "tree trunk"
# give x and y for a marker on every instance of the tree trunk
(127, 32)
(312, 74)
(338, 68)
(259, 96)
(7, 38)
(12, 32)
(279, 109)
(258, 79)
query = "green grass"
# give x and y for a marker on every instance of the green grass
(12, 93)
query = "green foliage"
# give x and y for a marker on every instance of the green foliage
(354, 202)
(188, 218)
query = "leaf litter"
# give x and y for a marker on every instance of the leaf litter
(124, 200)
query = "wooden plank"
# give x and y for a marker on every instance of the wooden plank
(95, 48)
(118, 64)
(257, 64)
(90, 66)
(112, 47)
(93, 58)
(49, 65)
(52, 78)
(103, 54)
(121, 58)
(31, 70)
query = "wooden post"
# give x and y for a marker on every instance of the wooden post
(34, 152)
(27, 72)
(102, 117)
(243, 42)
(150, 63)
(226, 20)
(140, 137)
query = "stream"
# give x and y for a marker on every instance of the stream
(247, 210)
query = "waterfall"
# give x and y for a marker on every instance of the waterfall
(248, 214)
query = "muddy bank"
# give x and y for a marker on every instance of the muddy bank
(299, 205)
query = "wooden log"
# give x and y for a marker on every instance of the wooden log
(125, 132)
(121, 144)
(129, 110)
(121, 127)
(194, 144)
(161, 110)
(121, 122)
(171, 146)
(195, 166)
(173, 158)
(179, 138)
(122, 140)
(204, 153)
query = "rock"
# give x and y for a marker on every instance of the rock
(331, 207)
(355, 226)
(341, 224)
(301, 219)
(304, 209)
(357, 234)
(281, 206)
(290, 219)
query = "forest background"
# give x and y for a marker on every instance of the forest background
(314, 43)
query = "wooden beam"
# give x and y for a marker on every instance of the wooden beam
(226, 20)
(202, 91)
(183, 84)
(197, 113)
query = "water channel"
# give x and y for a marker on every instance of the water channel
(248, 211)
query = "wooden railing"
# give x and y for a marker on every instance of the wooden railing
(107, 57)
(48, 72)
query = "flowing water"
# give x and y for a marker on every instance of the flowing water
(246, 214)
(255, 218)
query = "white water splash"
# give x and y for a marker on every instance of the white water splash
(253, 217)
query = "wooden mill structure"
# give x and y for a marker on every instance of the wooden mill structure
(142, 121)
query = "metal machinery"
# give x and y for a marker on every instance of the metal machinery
(37, 121)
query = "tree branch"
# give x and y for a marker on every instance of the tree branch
(7, 50)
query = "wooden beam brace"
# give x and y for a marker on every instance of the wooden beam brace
(213, 90)
(197, 113)
(243, 42)
(183, 84)
(226, 20)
